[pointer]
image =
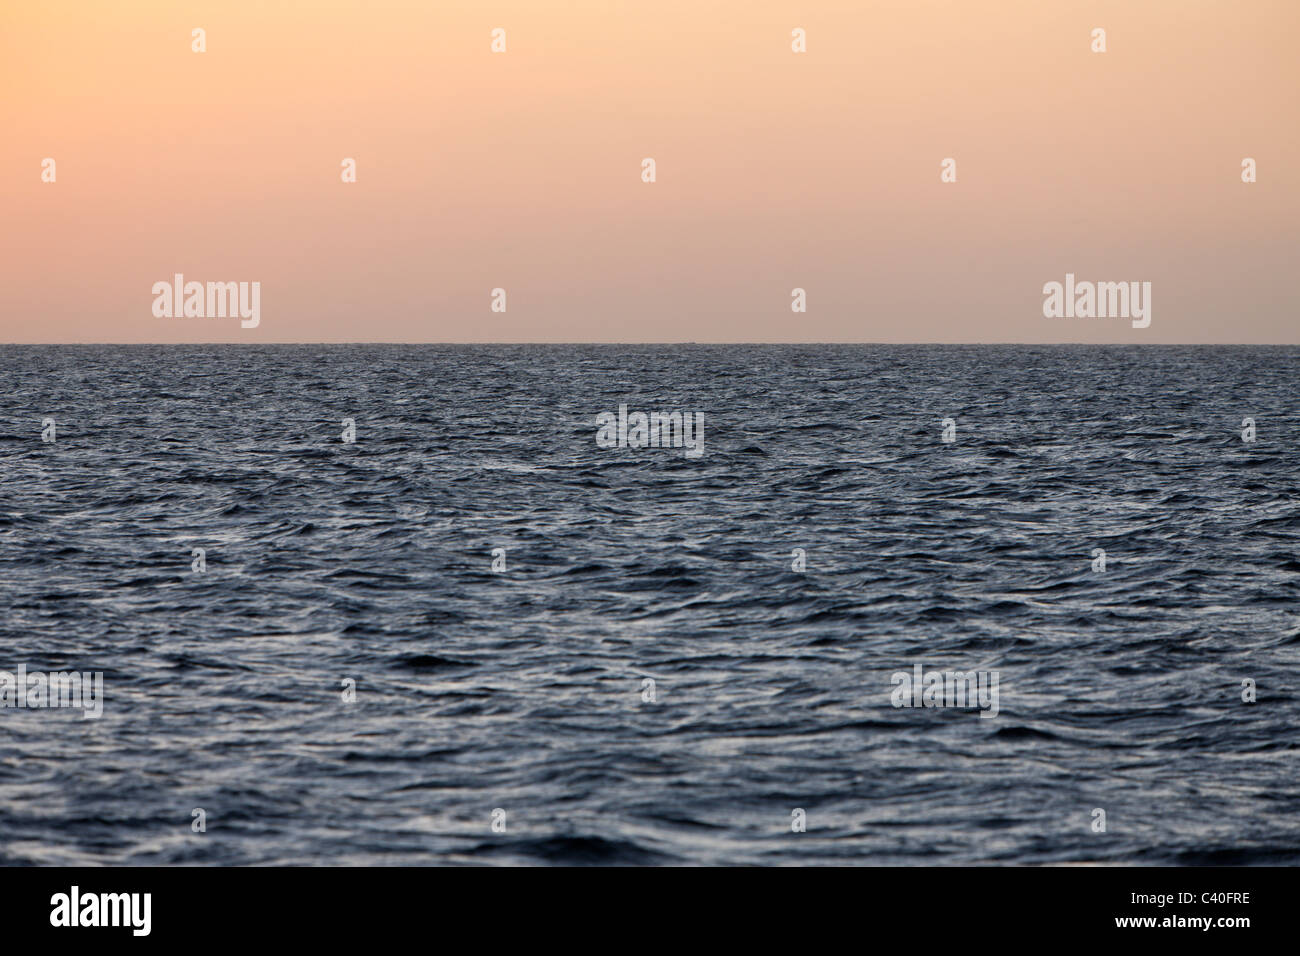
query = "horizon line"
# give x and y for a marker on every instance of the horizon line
(710, 344)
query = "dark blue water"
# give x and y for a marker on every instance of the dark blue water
(523, 690)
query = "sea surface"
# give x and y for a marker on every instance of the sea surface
(525, 690)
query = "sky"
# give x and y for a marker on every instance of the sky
(522, 170)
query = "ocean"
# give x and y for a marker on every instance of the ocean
(475, 634)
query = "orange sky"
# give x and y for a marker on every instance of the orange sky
(775, 170)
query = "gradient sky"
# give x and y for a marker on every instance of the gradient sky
(775, 170)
